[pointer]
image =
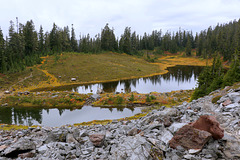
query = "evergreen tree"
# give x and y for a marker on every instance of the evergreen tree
(74, 44)
(108, 39)
(210, 79)
(66, 41)
(47, 47)
(188, 47)
(233, 74)
(3, 68)
(55, 40)
(41, 40)
(30, 38)
(126, 40)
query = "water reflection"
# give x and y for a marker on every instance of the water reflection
(58, 117)
(178, 77)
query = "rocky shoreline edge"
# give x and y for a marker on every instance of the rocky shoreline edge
(144, 138)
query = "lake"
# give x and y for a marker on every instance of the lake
(178, 77)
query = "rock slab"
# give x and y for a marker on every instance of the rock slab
(189, 138)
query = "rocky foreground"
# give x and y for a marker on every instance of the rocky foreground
(149, 137)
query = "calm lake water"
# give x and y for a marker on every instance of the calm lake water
(179, 77)
(59, 117)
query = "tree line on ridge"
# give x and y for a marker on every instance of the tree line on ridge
(24, 45)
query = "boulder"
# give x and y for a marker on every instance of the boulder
(97, 139)
(189, 138)
(21, 146)
(210, 124)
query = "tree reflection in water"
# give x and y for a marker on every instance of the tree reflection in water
(25, 116)
(56, 117)
(179, 74)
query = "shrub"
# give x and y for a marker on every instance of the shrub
(148, 99)
(119, 100)
(79, 99)
(131, 98)
(153, 97)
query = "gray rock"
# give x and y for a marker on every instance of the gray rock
(134, 148)
(231, 106)
(234, 97)
(57, 135)
(166, 136)
(158, 144)
(232, 149)
(175, 127)
(70, 139)
(188, 156)
(194, 151)
(42, 149)
(20, 146)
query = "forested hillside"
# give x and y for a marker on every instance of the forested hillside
(24, 45)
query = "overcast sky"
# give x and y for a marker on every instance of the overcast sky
(90, 16)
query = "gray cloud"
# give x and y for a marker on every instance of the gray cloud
(89, 16)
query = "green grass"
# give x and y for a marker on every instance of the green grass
(98, 67)
(28, 77)
(46, 100)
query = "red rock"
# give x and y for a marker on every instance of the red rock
(26, 155)
(227, 102)
(189, 138)
(210, 124)
(97, 139)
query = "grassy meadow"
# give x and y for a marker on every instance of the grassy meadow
(57, 70)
